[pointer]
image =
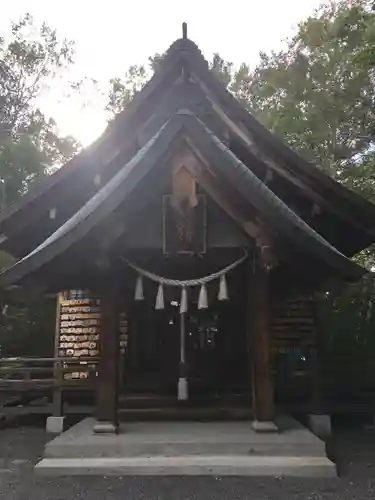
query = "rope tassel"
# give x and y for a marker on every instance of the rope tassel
(223, 289)
(202, 300)
(160, 298)
(184, 302)
(139, 289)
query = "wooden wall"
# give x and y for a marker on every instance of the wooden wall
(294, 343)
(222, 231)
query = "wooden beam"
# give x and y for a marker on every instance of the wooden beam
(314, 362)
(183, 187)
(57, 398)
(107, 391)
(198, 169)
(260, 341)
(282, 169)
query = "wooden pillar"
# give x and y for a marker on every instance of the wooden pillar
(57, 400)
(259, 310)
(107, 388)
(314, 362)
(316, 406)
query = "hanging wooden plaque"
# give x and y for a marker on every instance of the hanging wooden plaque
(79, 331)
(184, 227)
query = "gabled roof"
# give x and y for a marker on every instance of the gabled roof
(184, 80)
(181, 126)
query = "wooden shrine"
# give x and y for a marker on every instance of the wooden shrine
(185, 245)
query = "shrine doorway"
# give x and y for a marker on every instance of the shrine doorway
(215, 346)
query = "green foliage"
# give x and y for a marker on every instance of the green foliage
(222, 69)
(28, 61)
(30, 148)
(318, 95)
(29, 144)
(122, 92)
(27, 328)
(347, 318)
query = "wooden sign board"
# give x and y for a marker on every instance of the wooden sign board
(78, 333)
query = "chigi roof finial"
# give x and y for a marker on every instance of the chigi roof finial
(184, 30)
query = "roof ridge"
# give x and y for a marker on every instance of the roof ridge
(182, 47)
(273, 200)
(266, 189)
(89, 215)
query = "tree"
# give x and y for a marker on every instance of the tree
(318, 95)
(29, 143)
(122, 90)
(27, 326)
(30, 147)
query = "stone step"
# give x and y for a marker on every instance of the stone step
(224, 465)
(175, 449)
(173, 439)
(150, 401)
(185, 413)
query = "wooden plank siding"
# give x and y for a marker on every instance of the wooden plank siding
(293, 344)
(293, 323)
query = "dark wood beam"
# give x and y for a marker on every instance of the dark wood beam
(260, 342)
(314, 363)
(107, 388)
(57, 398)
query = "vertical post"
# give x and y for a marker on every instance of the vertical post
(316, 399)
(183, 392)
(57, 400)
(319, 421)
(107, 388)
(55, 422)
(263, 395)
(316, 402)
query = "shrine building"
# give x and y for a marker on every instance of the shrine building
(185, 246)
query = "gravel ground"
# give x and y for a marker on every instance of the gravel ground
(21, 446)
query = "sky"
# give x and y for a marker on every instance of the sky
(111, 35)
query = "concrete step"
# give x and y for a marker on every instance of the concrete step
(227, 465)
(146, 401)
(185, 413)
(125, 449)
(173, 439)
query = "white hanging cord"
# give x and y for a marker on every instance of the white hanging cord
(184, 283)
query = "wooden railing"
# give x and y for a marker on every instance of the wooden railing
(345, 383)
(18, 374)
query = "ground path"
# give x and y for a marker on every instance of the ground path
(22, 445)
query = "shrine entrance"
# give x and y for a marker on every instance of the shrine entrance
(215, 349)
